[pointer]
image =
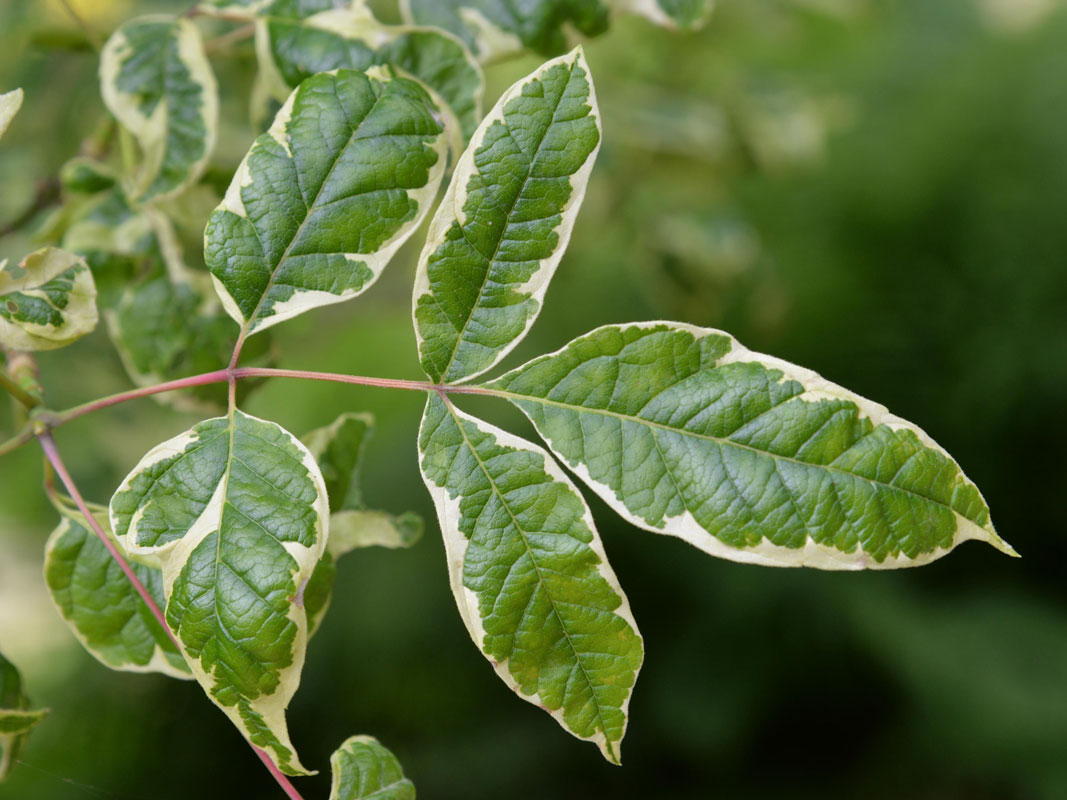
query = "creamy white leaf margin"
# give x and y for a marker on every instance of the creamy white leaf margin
(79, 316)
(456, 545)
(653, 11)
(451, 208)
(812, 554)
(10, 103)
(150, 131)
(158, 663)
(491, 42)
(172, 557)
(305, 300)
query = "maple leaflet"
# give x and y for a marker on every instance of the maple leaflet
(215, 558)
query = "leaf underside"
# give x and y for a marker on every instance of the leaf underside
(234, 511)
(505, 221)
(323, 199)
(529, 574)
(684, 432)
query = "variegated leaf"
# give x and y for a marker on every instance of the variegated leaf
(16, 716)
(325, 198)
(685, 432)
(234, 511)
(10, 103)
(155, 78)
(529, 574)
(295, 41)
(339, 450)
(682, 14)
(497, 28)
(505, 221)
(47, 301)
(100, 605)
(365, 770)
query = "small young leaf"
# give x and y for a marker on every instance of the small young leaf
(322, 201)
(685, 432)
(505, 221)
(155, 78)
(493, 29)
(684, 14)
(293, 45)
(10, 103)
(529, 574)
(86, 176)
(16, 718)
(339, 450)
(100, 605)
(363, 769)
(48, 301)
(234, 510)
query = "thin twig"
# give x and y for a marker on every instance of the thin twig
(16, 391)
(52, 454)
(90, 34)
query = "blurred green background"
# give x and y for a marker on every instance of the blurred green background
(875, 190)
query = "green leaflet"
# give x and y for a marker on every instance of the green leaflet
(339, 450)
(364, 769)
(505, 221)
(685, 432)
(495, 28)
(234, 510)
(100, 605)
(16, 717)
(529, 574)
(10, 103)
(47, 301)
(156, 80)
(294, 43)
(324, 198)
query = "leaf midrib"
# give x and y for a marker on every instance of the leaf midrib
(540, 578)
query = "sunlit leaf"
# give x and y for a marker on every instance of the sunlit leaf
(234, 510)
(685, 432)
(505, 221)
(47, 301)
(16, 716)
(529, 574)
(365, 770)
(100, 605)
(155, 78)
(323, 199)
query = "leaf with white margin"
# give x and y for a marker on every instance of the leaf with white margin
(292, 46)
(47, 301)
(339, 450)
(156, 80)
(324, 199)
(685, 432)
(10, 103)
(498, 28)
(100, 605)
(16, 717)
(364, 769)
(234, 510)
(530, 575)
(505, 221)
(679, 14)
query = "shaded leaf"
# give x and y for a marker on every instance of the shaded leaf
(16, 716)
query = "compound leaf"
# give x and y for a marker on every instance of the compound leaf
(505, 221)
(47, 301)
(685, 432)
(292, 46)
(100, 605)
(10, 103)
(339, 450)
(496, 28)
(16, 717)
(156, 80)
(234, 510)
(323, 199)
(529, 574)
(363, 769)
